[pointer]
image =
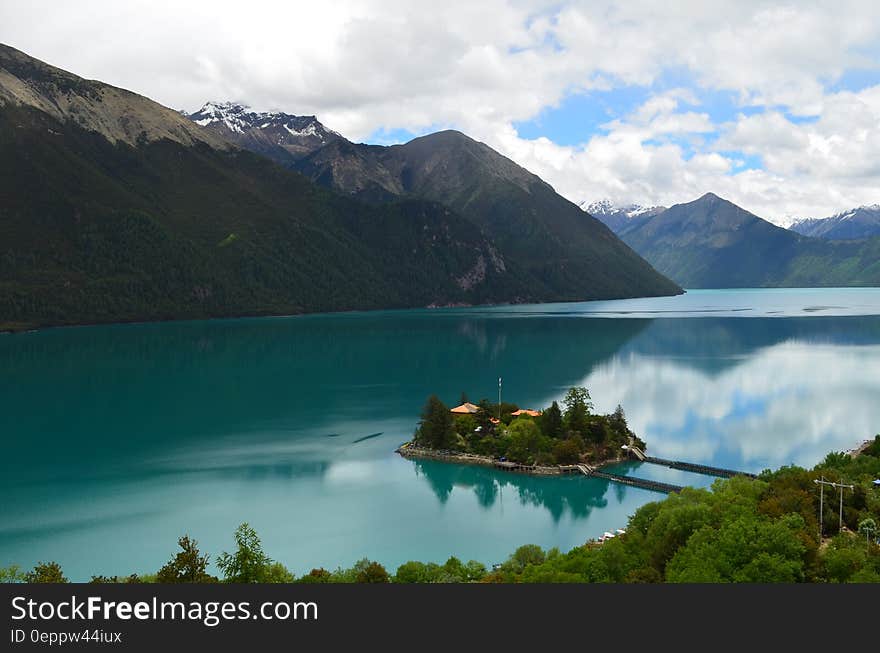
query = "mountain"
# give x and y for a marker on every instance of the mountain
(280, 136)
(118, 115)
(566, 253)
(617, 218)
(713, 243)
(115, 208)
(862, 222)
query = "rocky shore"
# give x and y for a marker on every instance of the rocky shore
(409, 450)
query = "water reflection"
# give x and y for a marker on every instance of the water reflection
(575, 496)
(747, 394)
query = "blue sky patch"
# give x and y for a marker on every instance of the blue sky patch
(858, 79)
(396, 136)
(581, 115)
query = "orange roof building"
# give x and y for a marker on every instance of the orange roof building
(466, 408)
(526, 411)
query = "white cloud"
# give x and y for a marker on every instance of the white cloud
(808, 168)
(481, 67)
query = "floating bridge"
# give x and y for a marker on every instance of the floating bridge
(659, 486)
(697, 468)
(644, 483)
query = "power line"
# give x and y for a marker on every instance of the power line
(821, 482)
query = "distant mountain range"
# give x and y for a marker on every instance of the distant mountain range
(862, 222)
(712, 243)
(617, 218)
(115, 208)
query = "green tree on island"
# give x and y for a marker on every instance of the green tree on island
(551, 421)
(577, 409)
(568, 451)
(617, 419)
(485, 415)
(435, 428)
(526, 441)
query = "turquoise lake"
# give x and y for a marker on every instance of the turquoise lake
(119, 439)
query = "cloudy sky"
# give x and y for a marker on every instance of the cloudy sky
(775, 106)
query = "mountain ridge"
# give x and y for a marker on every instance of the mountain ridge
(617, 217)
(124, 210)
(558, 244)
(281, 136)
(117, 114)
(713, 243)
(860, 222)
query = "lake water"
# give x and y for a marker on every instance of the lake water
(119, 439)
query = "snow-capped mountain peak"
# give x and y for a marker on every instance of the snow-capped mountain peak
(234, 116)
(607, 207)
(601, 207)
(271, 132)
(861, 222)
(846, 215)
(617, 218)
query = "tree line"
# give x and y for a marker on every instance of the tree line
(248, 563)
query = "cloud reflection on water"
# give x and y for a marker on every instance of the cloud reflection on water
(790, 402)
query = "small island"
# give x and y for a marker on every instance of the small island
(555, 440)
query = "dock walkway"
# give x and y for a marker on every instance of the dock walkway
(697, 468)
(633, 481)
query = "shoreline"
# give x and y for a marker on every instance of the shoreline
(17, 328)
(410, 452)
(30, 327)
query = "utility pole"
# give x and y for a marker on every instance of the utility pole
(822, 483)
(852, 489)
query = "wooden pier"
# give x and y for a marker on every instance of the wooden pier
(632, 481)
(685, 466)
(697, 468)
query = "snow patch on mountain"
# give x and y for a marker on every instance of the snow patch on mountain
(860, 222)
(240, 118)
(607, 207)
(617, 218)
